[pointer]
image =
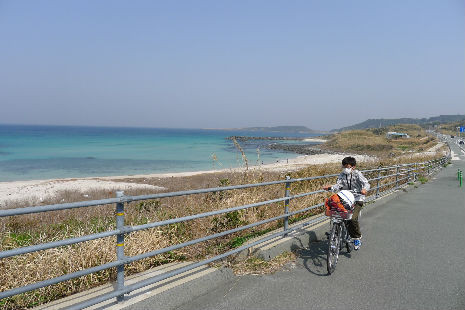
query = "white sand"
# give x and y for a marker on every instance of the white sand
(435, 148)
(307, 160)
(39, 190)
(315, 140)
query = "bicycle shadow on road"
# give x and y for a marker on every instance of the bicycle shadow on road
(314, 256)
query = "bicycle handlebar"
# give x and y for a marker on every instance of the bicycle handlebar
(350, 190)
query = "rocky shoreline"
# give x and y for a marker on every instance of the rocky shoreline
(246, 138)
(300, 149)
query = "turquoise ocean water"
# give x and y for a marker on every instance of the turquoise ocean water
(50, 152)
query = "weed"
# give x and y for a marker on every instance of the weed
(148, 205)
(244, 157)
(18, 239)
(229, 220)
(237, 242)
(224, 182)
(422, 179)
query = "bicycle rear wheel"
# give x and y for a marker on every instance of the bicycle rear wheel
(333, 247)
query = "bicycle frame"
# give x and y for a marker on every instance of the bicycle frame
(345, 236)
(338, 236)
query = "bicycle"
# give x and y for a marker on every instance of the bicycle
(338, 237)
(339, 207)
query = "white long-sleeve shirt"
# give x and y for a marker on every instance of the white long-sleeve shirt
(354, 181)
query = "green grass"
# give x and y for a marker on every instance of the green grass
(422, 179)
(239, 241)
(20, 239)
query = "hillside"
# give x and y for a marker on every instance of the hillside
(374, 141)
(451, 128)
(382, 122)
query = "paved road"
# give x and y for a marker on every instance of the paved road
(413, 257)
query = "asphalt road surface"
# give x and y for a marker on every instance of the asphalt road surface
(412, 257)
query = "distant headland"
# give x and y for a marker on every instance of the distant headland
(282, 129)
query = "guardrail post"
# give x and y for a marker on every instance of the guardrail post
(415, 172)
(120, 245)
(377, 182)
(397, 177)
(286, 204)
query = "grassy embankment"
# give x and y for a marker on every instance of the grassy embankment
(374, 142)
(51, 226)
(451, 128)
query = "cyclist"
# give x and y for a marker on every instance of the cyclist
(353, 180)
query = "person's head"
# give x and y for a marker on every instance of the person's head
(348, 164)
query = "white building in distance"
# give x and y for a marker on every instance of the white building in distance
(394, 135)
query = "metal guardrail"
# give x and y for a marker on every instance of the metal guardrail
(403, 174)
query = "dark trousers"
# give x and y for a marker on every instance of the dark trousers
(353, 225)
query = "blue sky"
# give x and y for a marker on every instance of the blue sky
(217, 64)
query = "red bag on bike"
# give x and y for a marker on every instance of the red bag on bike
(334, 203)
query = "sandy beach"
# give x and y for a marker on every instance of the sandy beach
(37, 191)
(316, 140)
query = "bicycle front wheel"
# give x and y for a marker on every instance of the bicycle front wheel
(347, 240)
(333, 247)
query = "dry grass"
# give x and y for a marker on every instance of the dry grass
(32, 229)
(374, 141)
(257, 266)
(450, 128)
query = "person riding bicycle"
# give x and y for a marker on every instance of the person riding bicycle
(353, 180)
